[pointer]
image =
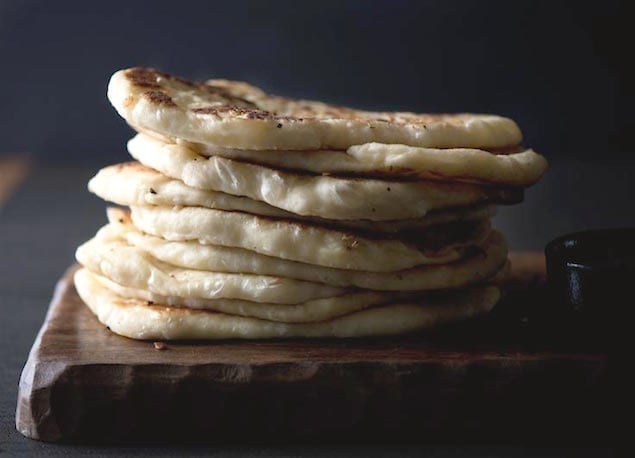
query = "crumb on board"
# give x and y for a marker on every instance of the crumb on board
(160, 346)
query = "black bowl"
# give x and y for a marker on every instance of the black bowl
(591, 277)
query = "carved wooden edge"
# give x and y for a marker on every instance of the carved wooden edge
(336, 402)
(33, 412)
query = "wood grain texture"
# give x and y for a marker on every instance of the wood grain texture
(13, 171)
(495, 379)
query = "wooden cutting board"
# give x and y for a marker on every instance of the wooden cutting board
(505, 378)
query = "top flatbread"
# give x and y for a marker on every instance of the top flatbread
(236, 115)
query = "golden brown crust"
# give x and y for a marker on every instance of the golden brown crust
(144, 77)
(234, 114)
(159, 97)
(150, 79)
(241, 100)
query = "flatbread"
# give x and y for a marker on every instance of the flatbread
(519, 168)
(476, 266)
(130, 266)
(308, 244)
(132, 183)
(306, 312)
(136, 319)
(322, 196)
(226, 114)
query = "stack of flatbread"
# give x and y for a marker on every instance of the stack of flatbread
(256, 216)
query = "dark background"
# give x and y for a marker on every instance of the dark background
(560, 69)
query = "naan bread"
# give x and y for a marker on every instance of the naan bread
(132, 183)
(477, 265)
(136, 319)
(132, 267)
(518, 168)
(308, 244)
(521, 169)
(227, 114)
(306, 312)
(314, 195)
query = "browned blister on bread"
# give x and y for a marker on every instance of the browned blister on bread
(233, 114)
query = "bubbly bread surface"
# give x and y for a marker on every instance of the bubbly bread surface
(323, 196)
(130, 266)
(136, 318)
(132, 183)
(478, 263)
(517, 167)
(227, 114)
(307, 243)
(304, 312)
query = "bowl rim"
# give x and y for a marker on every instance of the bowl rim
(564, 242)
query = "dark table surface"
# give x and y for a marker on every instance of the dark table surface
(50, 213)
